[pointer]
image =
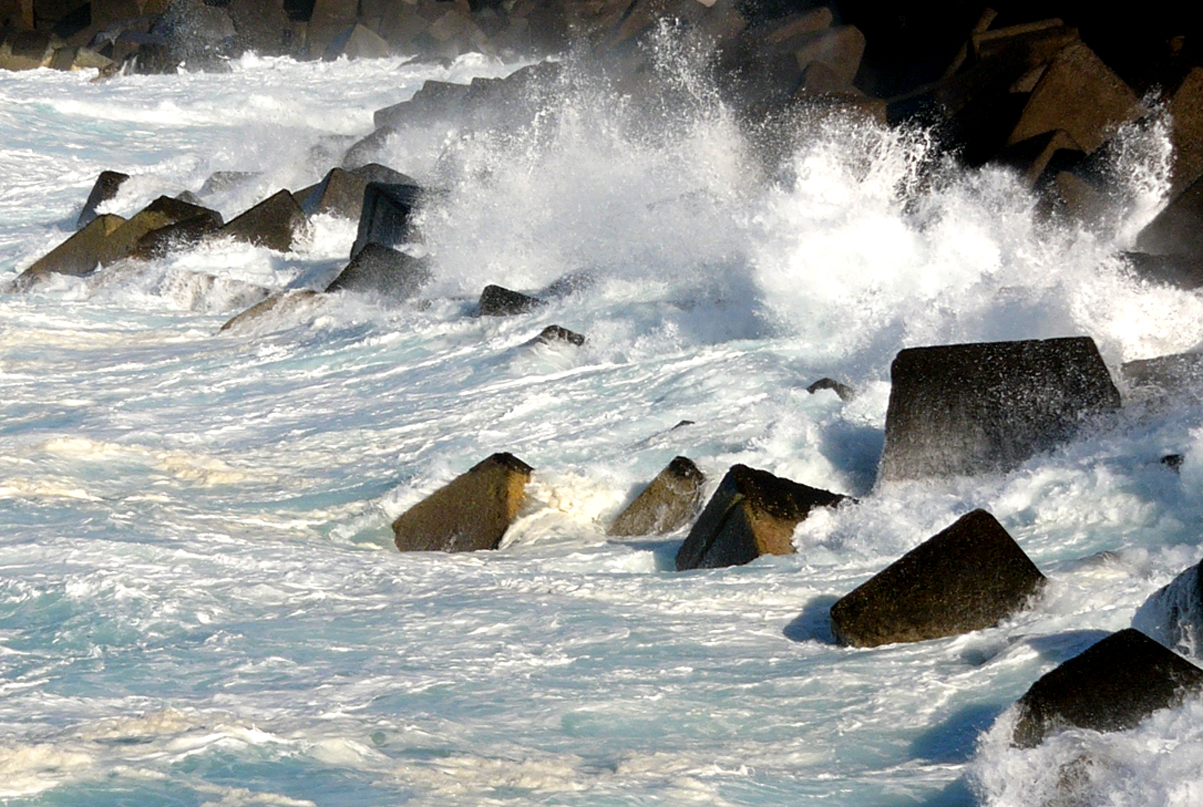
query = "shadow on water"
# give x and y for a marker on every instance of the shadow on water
(956, 794)
(954, 739)
(814, 623)
(1061, 647)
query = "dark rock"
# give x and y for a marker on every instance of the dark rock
(1186, 134)
(496, 301)
(1174, 463)
(845, 392)
(969, 576)
(195, 33)
(664, 506)
(376, 269)
(1111, 686)
(78, 255)
(385, 218)
(1179, 374)
(26, 50)
(368, 148)
(281, 304)
(752, 513)
(162, 212)
(105, 188)
(1178, 229)
(1033, 156)
(186, 233)
(261, 26)
(471, 512)
(16, 14)
(357, 42)
(1080, 95)
(328, 19)
(554, 333)
(341, 193)
(189, 197)
(1181, 271)
(987, 407)
(569, 284)
(274, 223)
(435, 100)
(1173, 615)
(222, 181)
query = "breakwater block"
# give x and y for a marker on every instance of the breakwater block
(385, 215)
(470, 512)
(104, 189)
(666, 504)
(752, 513)
(383, 271)
(273, 223)
(496, 301)
(987, 407)
(967, 577)
(1111, 686)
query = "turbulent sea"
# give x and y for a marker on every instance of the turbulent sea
(200, 601)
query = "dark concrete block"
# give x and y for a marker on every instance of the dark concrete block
(665, 505)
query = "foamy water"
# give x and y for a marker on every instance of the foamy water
(199, 598)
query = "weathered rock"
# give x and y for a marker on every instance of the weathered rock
(1079, 94)
(341, 193)
(987, 407)
(845, 392)
(1111, 686)
(274, 223)
(555, 333)
(969, 576)
(357, 42)
(435, 100)
(471, 512)
(385, 218)
(496, 301)
(380, 270)
(280, 304)
(104, 189)
(195, 33)
(1033, 156)
(752, 513)
(666, 505)
(262, 26)
(78, 255)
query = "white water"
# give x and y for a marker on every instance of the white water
(199, 598)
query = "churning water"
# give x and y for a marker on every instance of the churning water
(200, 602)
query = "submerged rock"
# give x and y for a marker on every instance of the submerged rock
(281, 304)
(752, 513)
(969, 576)
(471, 512)
(105, 188)
(1111, 686)
(274, 223)
(987, 407)
(845, 392)
(666, 504)
(496, 301)
(383, 271)
(556, 333)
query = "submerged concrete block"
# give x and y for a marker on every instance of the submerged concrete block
(666, 504)
(752, 513)
(1111, 686)
(471, 512)
(969, 576)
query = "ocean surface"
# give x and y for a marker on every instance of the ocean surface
(200, 601)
